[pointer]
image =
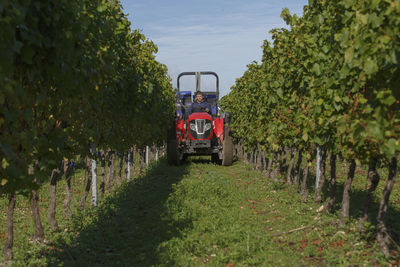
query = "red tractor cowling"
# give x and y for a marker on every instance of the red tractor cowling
(200, 133)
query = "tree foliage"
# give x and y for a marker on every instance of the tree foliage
(331, 79)
(74, 73)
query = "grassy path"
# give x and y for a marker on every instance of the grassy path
(200, 214)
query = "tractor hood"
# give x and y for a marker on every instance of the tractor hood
(200, 115)
(200, 126)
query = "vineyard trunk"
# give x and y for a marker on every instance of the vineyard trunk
(318, 191)
(290, 167)
(275, 167)
(269, 167)
(284, 165)
(344, 213)
(103, 174)
(281, 161)
(264, 159)
(235, 150)
(254, 158)
(259, 162)
(88, 184)
(37, 222)
(8, 244)
(134, 161)
(121, 167)
(304, 192)
(373, 180)
(297, 168)
(68, 190)
(332, 189)
(55, 176)
(110, 174)
(153, 154)
(241, 150)
(141, 160)
(128, 166)
(383, 236)
(245, 154)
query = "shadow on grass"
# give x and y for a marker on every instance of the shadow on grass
(127, 229)
(357, 198)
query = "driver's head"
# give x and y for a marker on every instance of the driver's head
(199, 97)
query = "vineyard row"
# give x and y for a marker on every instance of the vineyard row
(329, 83)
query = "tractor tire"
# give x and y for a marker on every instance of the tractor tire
(173, 157)
(227, 148)
(215, 159)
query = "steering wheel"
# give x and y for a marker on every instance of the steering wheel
(200, 109)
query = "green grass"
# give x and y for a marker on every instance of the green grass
(201, 214)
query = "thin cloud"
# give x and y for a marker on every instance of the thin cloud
(221, 36)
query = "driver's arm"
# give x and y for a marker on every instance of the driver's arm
(190, 109)
(208, 108)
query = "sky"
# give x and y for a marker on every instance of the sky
(223, 36)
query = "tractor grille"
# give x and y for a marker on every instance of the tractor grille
(200, 128)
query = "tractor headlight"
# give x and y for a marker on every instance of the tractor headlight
(207, 126)
(193, 126)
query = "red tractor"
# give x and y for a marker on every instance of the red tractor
(201, 132)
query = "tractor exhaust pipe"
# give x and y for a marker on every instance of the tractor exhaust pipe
(198, 81)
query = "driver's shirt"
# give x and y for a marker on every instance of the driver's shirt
(199, 105)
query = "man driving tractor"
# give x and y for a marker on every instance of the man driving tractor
(201, 130)
(199, 104)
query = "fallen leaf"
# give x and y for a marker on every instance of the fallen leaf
(317, 242)
(303, 243)
(338, 243)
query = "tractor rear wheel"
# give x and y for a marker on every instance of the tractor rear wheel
(173, 157)
(227, 148)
